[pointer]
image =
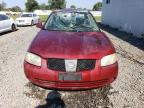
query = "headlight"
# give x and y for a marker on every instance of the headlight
(33, 59)
(108, 60)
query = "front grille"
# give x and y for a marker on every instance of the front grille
(21, 20)
(82, 64)
(85, 65)
(56, 64)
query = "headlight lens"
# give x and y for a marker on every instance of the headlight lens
(108, 60)
(33, 59)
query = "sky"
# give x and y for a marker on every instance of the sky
(78, 3)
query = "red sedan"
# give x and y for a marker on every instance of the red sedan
(71, 53)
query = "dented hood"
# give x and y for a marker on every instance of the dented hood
(59, 44)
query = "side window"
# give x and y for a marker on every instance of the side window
(6, 17)
(107, 1)
(3, 17)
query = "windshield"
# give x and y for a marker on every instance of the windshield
(74, 21)
(26, 15)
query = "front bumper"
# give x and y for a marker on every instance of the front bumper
(23, 23)
(43, 77)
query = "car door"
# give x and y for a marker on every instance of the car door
(6, 22)
(1, 23)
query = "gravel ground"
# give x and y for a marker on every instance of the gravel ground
(16, 92)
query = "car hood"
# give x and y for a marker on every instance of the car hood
(59, 44)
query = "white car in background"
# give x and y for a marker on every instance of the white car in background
(7, 24)
(27, 19)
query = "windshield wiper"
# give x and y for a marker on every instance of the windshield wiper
(64, 29)
(81, 26)
(84, 26)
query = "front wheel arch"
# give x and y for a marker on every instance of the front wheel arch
(13, 27)
(32, 22)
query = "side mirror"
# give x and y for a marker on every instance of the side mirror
(39, 24)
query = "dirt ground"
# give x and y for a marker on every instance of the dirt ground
(126, 92)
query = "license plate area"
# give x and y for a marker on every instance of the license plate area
(70, 76)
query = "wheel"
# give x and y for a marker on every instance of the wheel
(32, 23)
(13, 27)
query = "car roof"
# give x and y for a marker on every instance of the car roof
(72, 10)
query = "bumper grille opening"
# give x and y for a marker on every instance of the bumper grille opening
(56, 64)
(82, 64)
(85, 65)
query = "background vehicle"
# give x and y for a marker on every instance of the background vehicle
(27, 19)
(7, 23)
(71, 53)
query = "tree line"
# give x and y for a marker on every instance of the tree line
(14, 8)
(32, 5)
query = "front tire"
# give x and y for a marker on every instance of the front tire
(13, 27)
(32, 23)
